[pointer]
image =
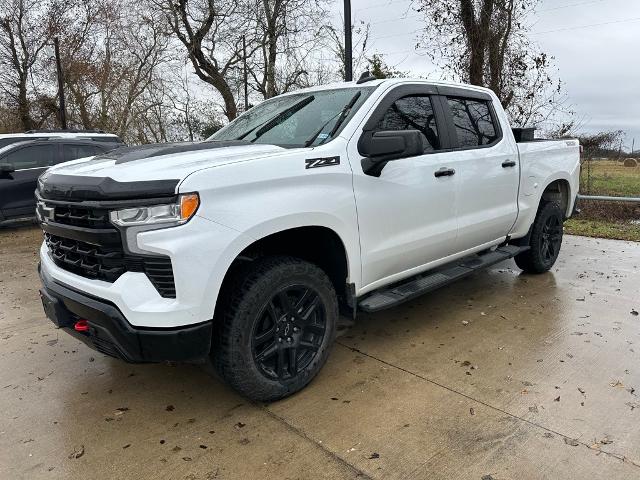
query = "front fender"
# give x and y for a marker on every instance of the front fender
(280, 224)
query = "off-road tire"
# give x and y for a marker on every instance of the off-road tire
(545, 241)
(255, 289)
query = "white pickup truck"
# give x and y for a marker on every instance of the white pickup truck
(244, 248)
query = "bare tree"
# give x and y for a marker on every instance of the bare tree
(486, 43)
(286, 32)
(26, 28)
(210, 31)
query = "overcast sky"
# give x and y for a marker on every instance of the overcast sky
(598, 63)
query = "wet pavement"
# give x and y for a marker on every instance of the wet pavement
(499, 376)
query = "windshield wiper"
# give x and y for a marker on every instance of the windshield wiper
(278, 119)
(342, 115)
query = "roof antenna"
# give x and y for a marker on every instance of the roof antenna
(365, 77)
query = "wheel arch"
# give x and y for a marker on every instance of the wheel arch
(559, 191)
(318, 244)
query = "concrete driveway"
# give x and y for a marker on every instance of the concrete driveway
(500, 376)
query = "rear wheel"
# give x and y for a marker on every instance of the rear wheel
(276, 329)
(545, 242)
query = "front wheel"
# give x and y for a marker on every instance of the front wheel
(545, 242)
(276, 328)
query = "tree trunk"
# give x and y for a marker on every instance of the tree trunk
(23, 104)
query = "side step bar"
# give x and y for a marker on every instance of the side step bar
(415, 286)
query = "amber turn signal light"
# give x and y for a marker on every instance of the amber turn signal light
(188, 205)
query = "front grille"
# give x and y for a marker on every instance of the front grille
(82, 217)
(85, 259)
(106, 261)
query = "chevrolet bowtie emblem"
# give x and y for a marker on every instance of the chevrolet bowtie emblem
(45, 213)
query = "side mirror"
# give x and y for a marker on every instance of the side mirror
(6, 168)
(380, 147)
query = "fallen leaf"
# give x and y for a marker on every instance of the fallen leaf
(77, 452)
(571, 441)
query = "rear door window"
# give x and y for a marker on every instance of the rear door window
(473, 121)
(31, 156)
(71, 151)
(413, 112)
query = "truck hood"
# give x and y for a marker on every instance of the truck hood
(167, 161)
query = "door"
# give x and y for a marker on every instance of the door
(17, 187)
(489, 172)
(407, 215)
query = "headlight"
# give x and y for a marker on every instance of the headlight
(167, 214)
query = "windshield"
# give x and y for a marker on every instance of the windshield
(298, 120)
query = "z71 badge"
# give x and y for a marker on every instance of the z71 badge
(322, 162)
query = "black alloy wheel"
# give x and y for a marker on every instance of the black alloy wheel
(551, 239)
(289, 332)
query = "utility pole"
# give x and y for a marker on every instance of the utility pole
(244, 61)
(348, 61)
(63, 115)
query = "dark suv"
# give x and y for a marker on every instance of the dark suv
(22, 163)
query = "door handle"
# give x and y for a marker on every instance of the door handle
(444, 172)
(508, 163)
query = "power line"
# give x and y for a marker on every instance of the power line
(378, 5)
(398, 34)
(403, 17)
(570, 5)
(626, 20)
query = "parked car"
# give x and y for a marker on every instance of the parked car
(21, 163)
(358, 196)
(96, 135)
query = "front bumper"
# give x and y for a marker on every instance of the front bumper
(109, 331)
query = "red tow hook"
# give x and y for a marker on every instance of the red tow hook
(81, 326)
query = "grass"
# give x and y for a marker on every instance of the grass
(597, 227)
(608, 219)
(609, 177)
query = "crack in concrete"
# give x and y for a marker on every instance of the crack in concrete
(359, 473)
(618, 456)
